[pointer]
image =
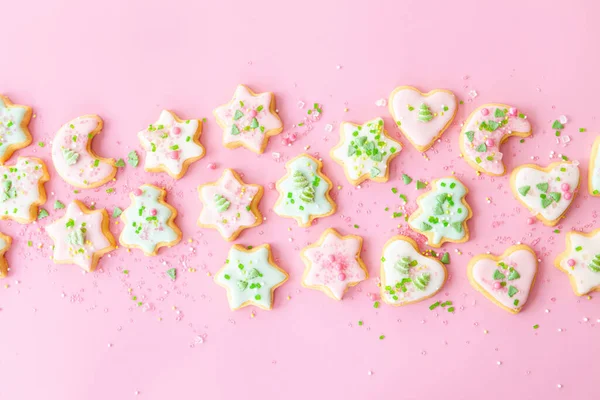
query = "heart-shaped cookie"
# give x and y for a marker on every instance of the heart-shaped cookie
(506, 280)
(546, 192)
(422, 117)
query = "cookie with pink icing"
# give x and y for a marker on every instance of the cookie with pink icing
(81, 236)
(5, 243)
(249, 119)
(74, 158)
(333, 264)
(488, 127)
(581, 261)
(22, 189)
(229, 205)
(14, 131)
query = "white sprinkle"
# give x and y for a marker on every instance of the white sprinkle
(559, 386)
(300, 104)
(328, 128)
(559, 329)
(381, 103)
(562, 119)
(338, 67)
(369, 372)
(473, 94)
(547, 311)
(499, 363)
(585, 319)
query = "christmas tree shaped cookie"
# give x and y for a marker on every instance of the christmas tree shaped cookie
(5, 242)
(581, 261)
(14, 131)
(22, 189)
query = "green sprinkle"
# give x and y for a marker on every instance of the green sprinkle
(360, 323)
(557, 125)
(117, 212)
(58, 205)
(172, 273)
(70, 223)
(523, 190)
(396, 215)
(403, 197)
(421, 185)
(451, 309)
(120, 163)
(578, 248)
(381, 337)
(394, 190)
(434, 305)
(536, 326)
(126, 271)
(133, 159)
(582, 129)
(41, 144)
(512, 291)
(406, 179)
(356, 226)
(376, 304)
(445, 258)
(42, 214)
(29, 243)
(110, 190)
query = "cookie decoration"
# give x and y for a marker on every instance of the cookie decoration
(581, 261)
(22, 189)
(14, 131)
(594, 170)
(5, 243)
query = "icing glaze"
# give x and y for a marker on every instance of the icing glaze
(22, 189)
(581, 261)
(5, 243)
(14, 133)
(594, 170)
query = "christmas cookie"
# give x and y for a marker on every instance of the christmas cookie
(14, 133)
(485, 130)
(149, 221)
(248, 120)
(81, 236)
(407, 276)
(333, 264)
(365, 151)
(171, 144)
(229, 205)
(250, 277)
(73, 157)
(594, 171)
(505, 280)
(581, 261)
(422, 117)
(443, 213)
(546, 192)
(5, 242)
(22, 189)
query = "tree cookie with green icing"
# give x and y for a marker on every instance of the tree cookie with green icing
(14, 131)
(581, 261)
(5, 243)
(22, 189)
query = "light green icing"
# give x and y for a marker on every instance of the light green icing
(221, 203)
(425, 114)
(70, 156)
(11, 131)
(76, 237)
(8, 191)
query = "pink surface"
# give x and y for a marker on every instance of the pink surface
(68, 335)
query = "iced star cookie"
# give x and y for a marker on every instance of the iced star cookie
(250, 277)
(546, 192)
(443, 213)
(73, 157)
(581, 261)
(333, 264)
(171, 144)
(149, 221)
(81, 236)
(407, 276)
(229, 205)
(422, 117)
(485, 130)
(22, 189)
(365, 151)
(14, 131)
(594, 170)
(248, 120)
(506, 280)
(5, 242)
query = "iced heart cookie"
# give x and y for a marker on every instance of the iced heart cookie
(22, 189)
(5, 242)
(443, 213)
(171, 144)
(506, 280)
(594, 170)
(365, 151)
(304, 191)
(149, 222)
(73, 157)
(422, 117)
(250, 276)
(248, 120)
(81, 236)
(581, 261)
(546, 192)
(229, 205)
(333, 264)
(14, 131)
(485, 130)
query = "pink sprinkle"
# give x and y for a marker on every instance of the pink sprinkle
(175, 130)
(342, 276)
(497, 285)
(331, 257)
(212, 165)
(174, 155)
(339, 267)
(271, 185)
(292, 137)
(530, 221)
(513, 111)
(373, 296)
(252, 113)
(490, 142)
(137, 192)
(565, 187)
(285, 141)
(568, 195)
(485, 111)
(571, 262)
(153, 212)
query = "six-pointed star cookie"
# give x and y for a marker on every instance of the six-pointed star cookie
(14, 133)
(5, 242)
(581, 261)
(81, 236)
(250, 277)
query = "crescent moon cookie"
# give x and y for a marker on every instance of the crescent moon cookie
(407, 276)
(249, 119)
(365, 151)
(546, 192)
(250, 277)
(581, 261)
(485, 130)
(149, 221)
(171, 144)
(422, 117)
(443, 213)
(506, 280)
(14, 131)
(81, 236)
(594, 171)
(229, 205)
(333, 264)
(22, 189)
(73, 157)
(5, 242)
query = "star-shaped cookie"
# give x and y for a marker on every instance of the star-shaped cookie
(581, 261)
(22, 189)
(5, 242)
(14, 133)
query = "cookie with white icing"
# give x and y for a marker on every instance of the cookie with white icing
(581, 261)
(14, 131)
(5, 243)
(594, 170)
(22, 189)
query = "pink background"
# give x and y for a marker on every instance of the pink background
(68, 335)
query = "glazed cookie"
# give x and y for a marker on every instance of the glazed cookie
(594, 171)
(365, 151)
(73, 157)
(422, 117)
(304, 191)
(250, 277)
(229, 205)
(171, 144)
(248, 120)
(581, 261)
(14, 131)
(407, 276)
(485, 130)
(22, 189)
(149, 221)
(443, 213)
(546, 192)
(505, 280)
(5, 242)
(81, 236)
(333, 264)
